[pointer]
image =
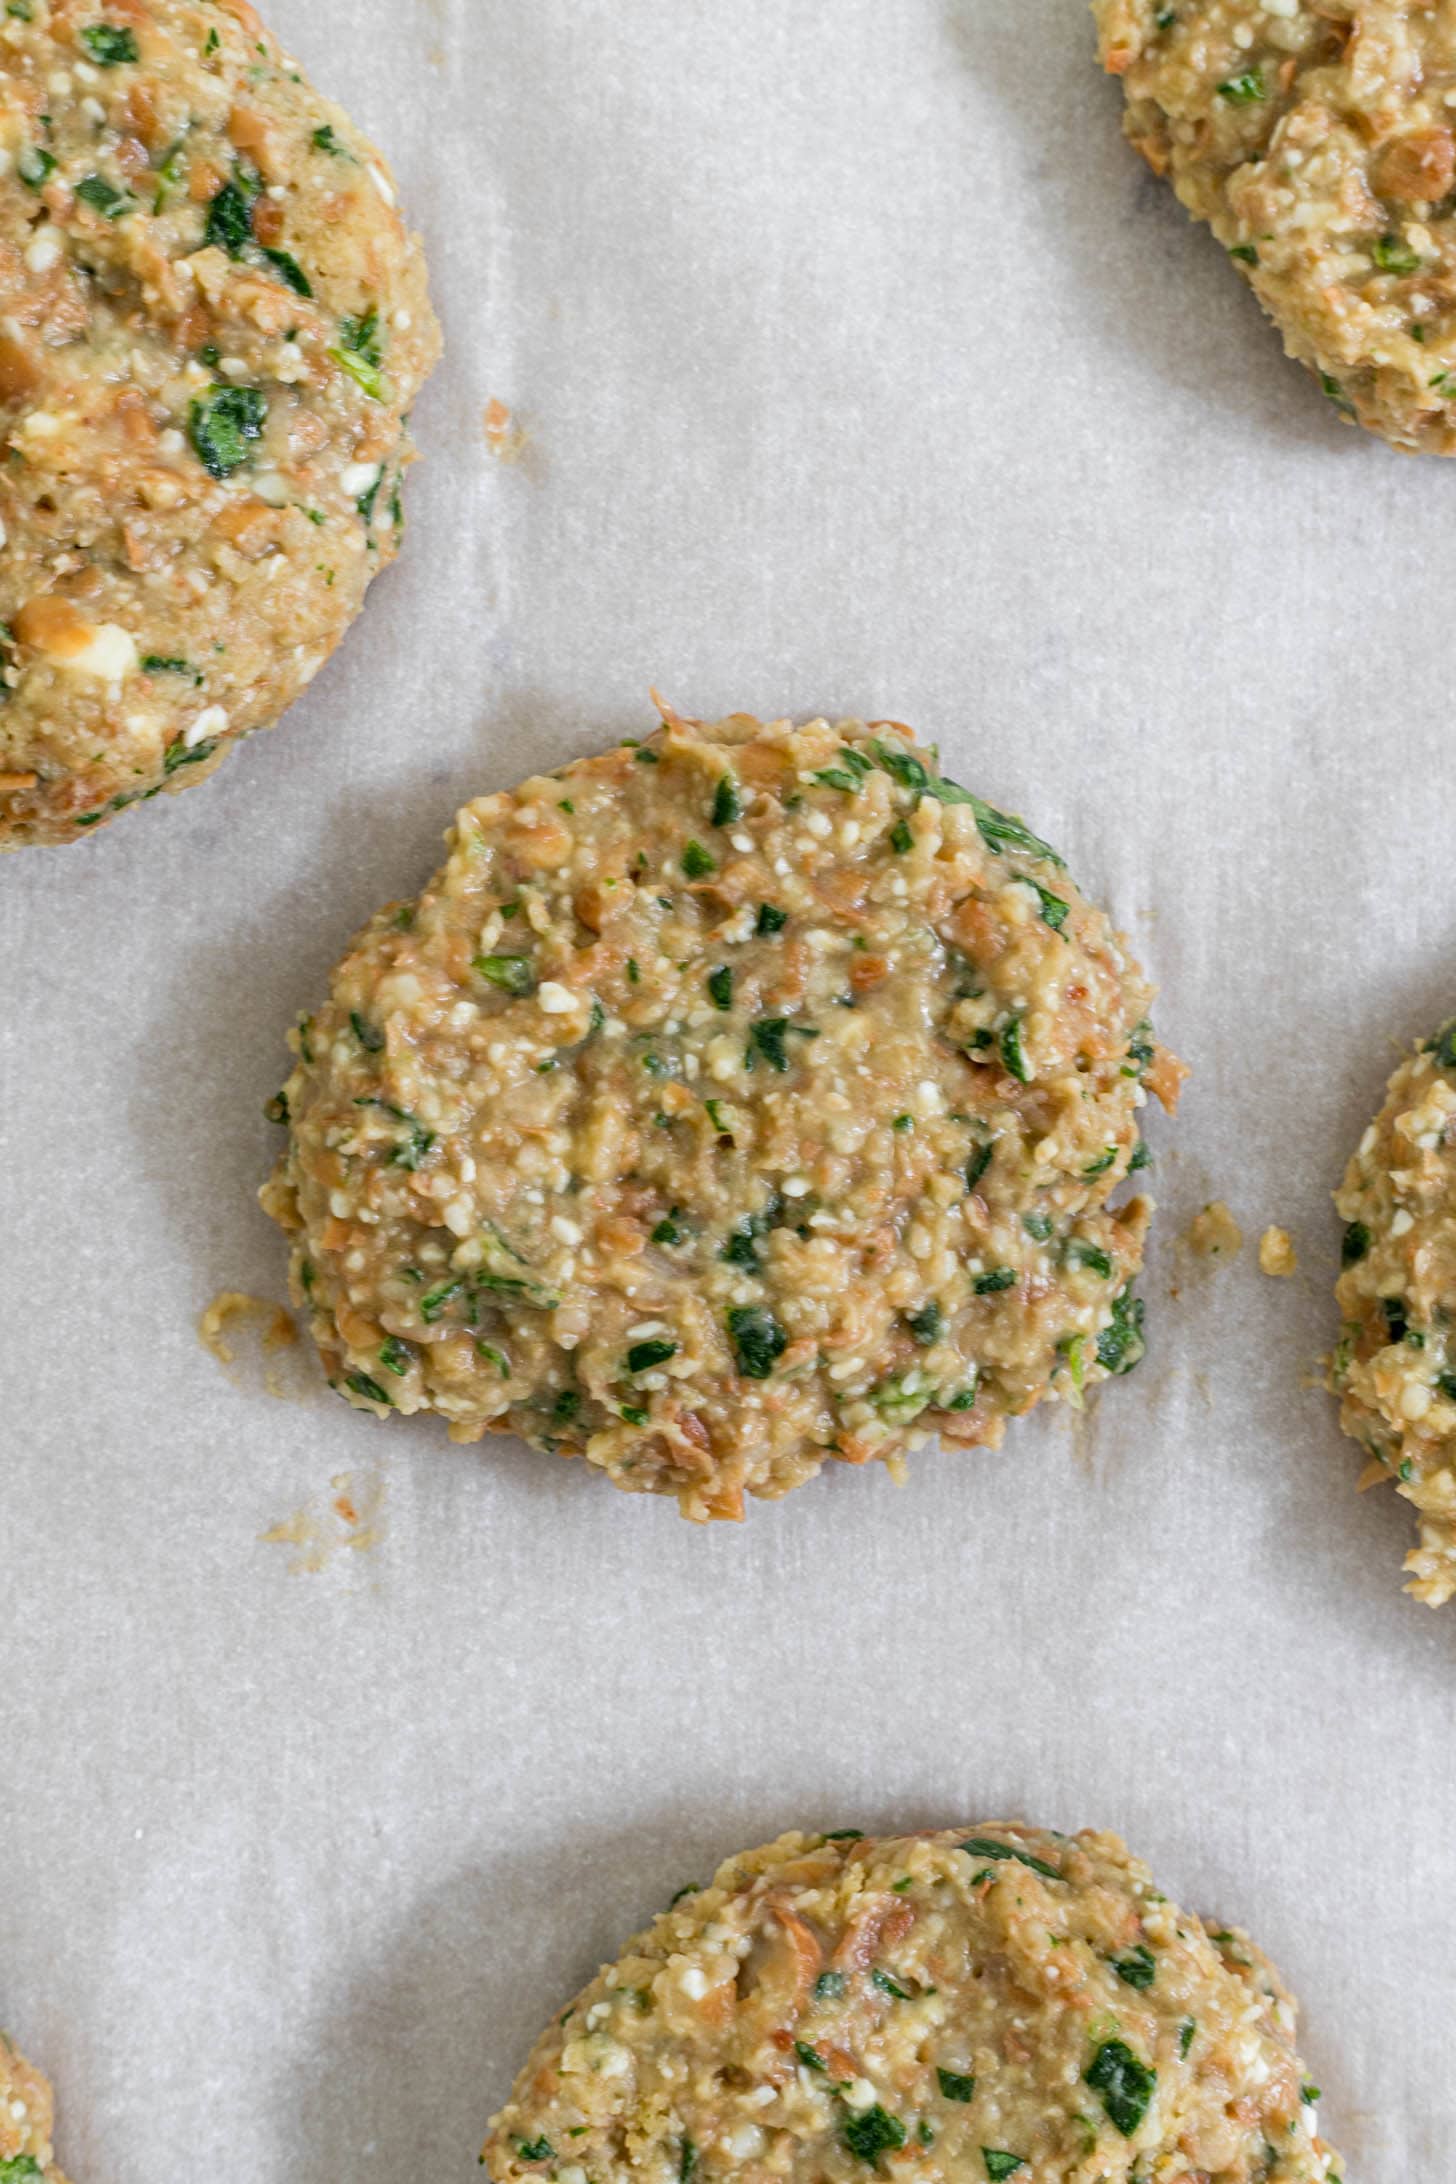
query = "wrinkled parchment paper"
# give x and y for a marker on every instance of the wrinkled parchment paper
(861, 369)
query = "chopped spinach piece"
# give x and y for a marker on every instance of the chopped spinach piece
(835, 777)
(688, 2162)
(770, 919)
(1185, 2034)
(1125, 2084)
(767, 1038)
(1141, 1158)
(512, 973)
(325, 141)
(1139, 1968)
(103, 196)
(957, 2085)
(1053, 910)
(888, 1984)
(758, 1340)
(696, 862)
(902, 841)
(1393, 255)
(809, 2057)
(222, 426)
(1243, 89)
(1443, 1046)
(1101, 1164)
(1245, 253)
(156, 663)
(873, 2133)
(720, 987)
(727, 803)
(434, 1304)
(230, 217)
(1395, 1319)
(368, 1035)
(536, 2149)
(668, 1230)
(999, 2163)
(927, 1325)
(34, 166)
(1354, 1244)
(183, 754)
(1092, 1256)
(1013, 1053)
(828, 1986)
(493, 1356)
(395, 1356)
(644, 1355)
(370, 1390)
(284, 262)
(978, 1163)
(1121, 1344)
(1037, 1225)
(110, 46)
(986, 1846)
(1000, 1277)
(19, 2166)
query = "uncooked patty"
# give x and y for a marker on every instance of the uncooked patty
(981, 2003)
(1395, 1367)
(213, 323)
(1316, 139)
(27, 2116)
(742, 1099)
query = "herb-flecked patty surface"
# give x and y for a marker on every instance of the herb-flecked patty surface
(727, 1103)
(1318, 140)
(946, 2007)
(213, 323)
(1395, 1366)
(27, 2119)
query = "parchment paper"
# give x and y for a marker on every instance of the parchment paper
(862, 370)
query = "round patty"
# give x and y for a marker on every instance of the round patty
(27, 2118)
(729, 1102)
(213, 323)
(961, 2005)
(1316, 139)
(1395, 1367)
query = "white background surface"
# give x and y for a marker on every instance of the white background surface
(865, 372)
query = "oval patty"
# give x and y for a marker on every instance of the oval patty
(728, 1103)
(213, 323)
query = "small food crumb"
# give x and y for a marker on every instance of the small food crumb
(1276, 1252)
(503, 436)
(348, 1518)
(1214, 1233)
(278, 1330)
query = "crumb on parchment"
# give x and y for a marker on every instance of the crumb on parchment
(505, 438)
(1277, 1255)
(1214, 1233)
(349, 1518)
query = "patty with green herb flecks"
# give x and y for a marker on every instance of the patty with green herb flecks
(950, 2008)
(1395, 1367)
(213, 323)
(27, 2117)
(742, 1099)
(1318, 140)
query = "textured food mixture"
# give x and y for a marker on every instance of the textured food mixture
(27, 2115)
(1395, 1367)
(1318, 140)
(213, 323)
(965, 2005)
(730, 1102)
